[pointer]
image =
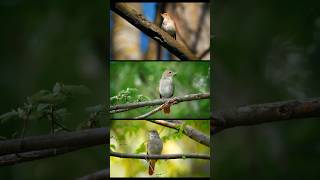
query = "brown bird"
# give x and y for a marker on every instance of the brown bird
(154, 146)
(169, 25)
(166, 88)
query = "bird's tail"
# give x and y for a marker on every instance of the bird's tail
(152, 164)
(166, 109)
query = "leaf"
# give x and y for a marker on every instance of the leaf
(56, 88)
(141, 148)
(9, 115)
(58, 129)
(61, 113)
(41, 107)
(20, 112)
(112, 147)
(165, 138)
(128, 95)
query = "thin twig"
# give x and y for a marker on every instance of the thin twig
(204, 53)
(168, 103)
(62, 126)
(150, 112)
(25, 122)
(119, 111)
(52, 119)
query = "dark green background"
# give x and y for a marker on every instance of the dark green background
(41, 43)
(266, 51)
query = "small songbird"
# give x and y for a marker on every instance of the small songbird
(166, 88)
(169, 25)
(154, 147)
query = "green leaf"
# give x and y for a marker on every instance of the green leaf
(141, 148)
(8, 116)
(61, 113)
(56, 88)
(112, 147)
(41, 107)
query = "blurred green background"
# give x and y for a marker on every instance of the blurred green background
(144, 77)
(266, 51)
(128, 136)
(41, 43)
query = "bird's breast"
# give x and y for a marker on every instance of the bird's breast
(166, 87)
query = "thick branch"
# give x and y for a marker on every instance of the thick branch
(152, 30)
(163, 156)
(12, 159)
(263, 113)
(188, 130)
(85, 138)
(179, 99)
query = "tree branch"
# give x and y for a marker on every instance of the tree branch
(263, 113)
(179, 99)
(153, 31)
(162, 156)
(12, 159)
(204, 53)
(188, 130)
(150, 112)
(85, 138)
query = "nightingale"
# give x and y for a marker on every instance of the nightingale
(166, 87)
(168, 25)
(154, 146)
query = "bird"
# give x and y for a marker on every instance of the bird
(154, 146)
(169, 25)
(166, 87)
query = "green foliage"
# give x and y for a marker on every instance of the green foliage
(174, 142)
(128, 95)
(140, 82)
(176, 135)
(47, 104)
(9, 115)
(113, 147)
(142, 148)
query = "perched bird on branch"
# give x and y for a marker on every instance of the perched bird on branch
(166, 88)
(154, 146)
(169, 25)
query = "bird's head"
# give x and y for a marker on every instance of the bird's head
(168, 73)
(165, 15)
